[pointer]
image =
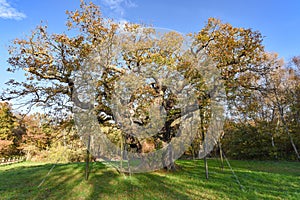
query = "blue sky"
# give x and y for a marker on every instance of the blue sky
(278, 21)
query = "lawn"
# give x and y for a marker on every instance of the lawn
(258, 179)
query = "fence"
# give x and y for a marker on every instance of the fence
(11, 160)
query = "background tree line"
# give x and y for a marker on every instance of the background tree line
(38, 137)
(267, 126)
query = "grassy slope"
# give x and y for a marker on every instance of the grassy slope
(261, 180)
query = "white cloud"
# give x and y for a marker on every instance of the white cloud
(119, 6)
(8, 12)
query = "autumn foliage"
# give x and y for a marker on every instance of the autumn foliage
(261, 91)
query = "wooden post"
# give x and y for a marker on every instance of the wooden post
(87, 159)
(206, 167)
(221, 154)
(204, 146)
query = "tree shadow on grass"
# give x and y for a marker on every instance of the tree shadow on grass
(259, 180)
(61, 182)
(136, 186)
(66, 181)
(21, 182)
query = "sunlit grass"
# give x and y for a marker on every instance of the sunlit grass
(259, 180)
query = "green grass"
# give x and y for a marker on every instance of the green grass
(260, 180)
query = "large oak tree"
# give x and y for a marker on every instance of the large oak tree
(52, 62)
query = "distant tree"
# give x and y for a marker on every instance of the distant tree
(9, 136)
(295, 92)
(282, 91)
(36, 137)
(239, 55)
